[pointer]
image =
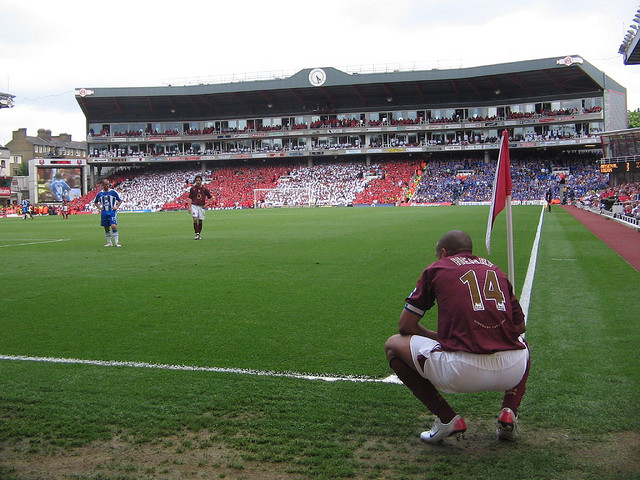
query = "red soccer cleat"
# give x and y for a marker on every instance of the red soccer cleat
(507, 425)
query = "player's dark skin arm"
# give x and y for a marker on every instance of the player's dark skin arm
(409, 324)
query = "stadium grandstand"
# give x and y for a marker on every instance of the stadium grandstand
(6, 100)
(629, 48)
(323, 136)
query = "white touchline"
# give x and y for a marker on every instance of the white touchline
(36, 242)
(195, 368)
(524, 303)
(525, 295)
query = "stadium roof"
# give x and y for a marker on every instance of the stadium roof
(502, 84)
(629, 47)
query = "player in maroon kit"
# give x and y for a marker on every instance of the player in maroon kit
(195, 204)
(477, 346)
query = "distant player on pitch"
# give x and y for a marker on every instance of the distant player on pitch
(108, 202)
(477, 346)
(64, 209)
(195, 204)
(26, 208)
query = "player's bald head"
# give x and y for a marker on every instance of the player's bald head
(453, 242)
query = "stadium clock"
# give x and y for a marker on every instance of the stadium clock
(317, 77)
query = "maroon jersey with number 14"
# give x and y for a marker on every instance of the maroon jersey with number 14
(199, 196)
(477, 310)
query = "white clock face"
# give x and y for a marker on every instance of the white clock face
(317, 77)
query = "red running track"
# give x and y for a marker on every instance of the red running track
(625, 241)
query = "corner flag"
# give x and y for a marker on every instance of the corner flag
(501, 197)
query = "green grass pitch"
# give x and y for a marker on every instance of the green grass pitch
(310, 291)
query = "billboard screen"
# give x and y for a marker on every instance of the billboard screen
(56, 184)
(5, 187)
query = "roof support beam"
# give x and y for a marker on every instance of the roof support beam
(206, 101)
(195, 105)
(359, 94)
(474, 88)
(455, 87)
(554, 81)
(270, 101)
(328, 95)
(495, 84)
(173, 105)
(298, 98)
(388, 92)
(520, 83)
(240, 100)
(420, 92)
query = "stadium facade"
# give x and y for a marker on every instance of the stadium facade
(560, 103)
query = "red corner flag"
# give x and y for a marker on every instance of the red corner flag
(501, 197)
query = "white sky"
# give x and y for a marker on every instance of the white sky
(48, 49)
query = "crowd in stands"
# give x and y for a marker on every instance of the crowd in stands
(150, 191)
(531, 176)
(41, 209)
(344, 123)
(233, 187)
(624, 199)
(389, 184)
(337, 123)
(445, 179)
(135, 133)
(393, 142)
(323, 184)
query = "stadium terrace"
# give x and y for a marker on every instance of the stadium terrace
(323, 136)
(557, 103)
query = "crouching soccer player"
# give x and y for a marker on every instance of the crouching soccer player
(477, 346)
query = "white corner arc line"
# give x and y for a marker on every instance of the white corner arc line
(195, 368)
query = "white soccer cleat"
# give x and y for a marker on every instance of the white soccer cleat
(507, 425)
(441, 430)
(108, 245)
(197, 237)
(118, 245)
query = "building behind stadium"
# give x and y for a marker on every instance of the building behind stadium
(553, 104)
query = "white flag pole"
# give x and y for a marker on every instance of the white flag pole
(511, 272)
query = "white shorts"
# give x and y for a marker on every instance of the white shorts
(464, 372)
(197, 211)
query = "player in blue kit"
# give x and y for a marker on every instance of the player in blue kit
(59, 188)
(26, 209)
(108, 202)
